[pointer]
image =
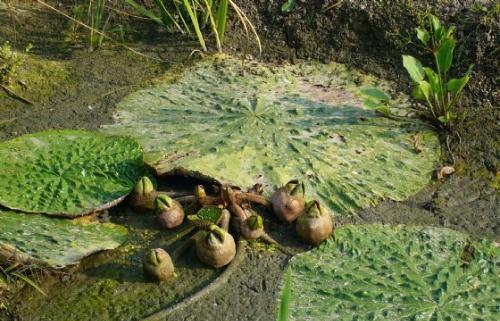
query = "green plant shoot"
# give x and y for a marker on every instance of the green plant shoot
(434, 86)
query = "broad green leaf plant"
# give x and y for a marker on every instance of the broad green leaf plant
(405, 273)
(278, 124)
(435, 87)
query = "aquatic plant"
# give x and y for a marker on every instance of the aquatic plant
(274, 125)
(69, 172)
(379, 273)
(51, 241)
(434, 87)
(196, 16)
(315, 225)
(158, 265)
(169, 212)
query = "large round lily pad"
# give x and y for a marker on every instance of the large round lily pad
(380, 273)
(57, 242)
(254, 123)
(68, 173)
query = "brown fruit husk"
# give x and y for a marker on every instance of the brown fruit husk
(288, 201)
(252, 228)
(157, 265)
(169, 212)
(315, 225)
(216, 247)
(142, 197)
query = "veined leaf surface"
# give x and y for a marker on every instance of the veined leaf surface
(379, 273)
(67, 173)
(57, 241)
(259, 124)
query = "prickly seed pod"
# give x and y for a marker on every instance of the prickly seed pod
(288, 201)
(143, 196)
(215, 247)
(157, 265)
(253, 227)
(169, 212)
(315, 225)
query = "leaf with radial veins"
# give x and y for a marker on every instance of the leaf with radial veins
(260, 124)
(380, 273)
(57, 242)
(67, 173)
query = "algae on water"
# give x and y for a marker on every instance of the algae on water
(255, 123)
(67, 173)
(379, 273)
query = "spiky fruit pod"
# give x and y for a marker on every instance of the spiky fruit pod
(288, 202)
(143, 195)
(157, 265)
(315, 225)
(169, 212)
(215, 247)
(253, 227)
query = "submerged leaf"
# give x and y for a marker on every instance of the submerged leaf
(56, 241)
(67, 173)
(275, 125)
(379, 273)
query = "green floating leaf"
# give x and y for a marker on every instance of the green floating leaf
(67, 173)
(255, 124)
(414, 68)
(380, 273)
(58, 242)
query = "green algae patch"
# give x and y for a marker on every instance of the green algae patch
(57, 242)
(252, 123)
(38, 79)
(110, 285)
(376, 272)
(67, 173)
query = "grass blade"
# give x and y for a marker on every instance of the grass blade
(28, 281)
(194, 22)
(286, 297)
(222, 18)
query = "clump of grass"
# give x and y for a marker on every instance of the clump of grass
(98, 22)
(197, 18)
(15, 273)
